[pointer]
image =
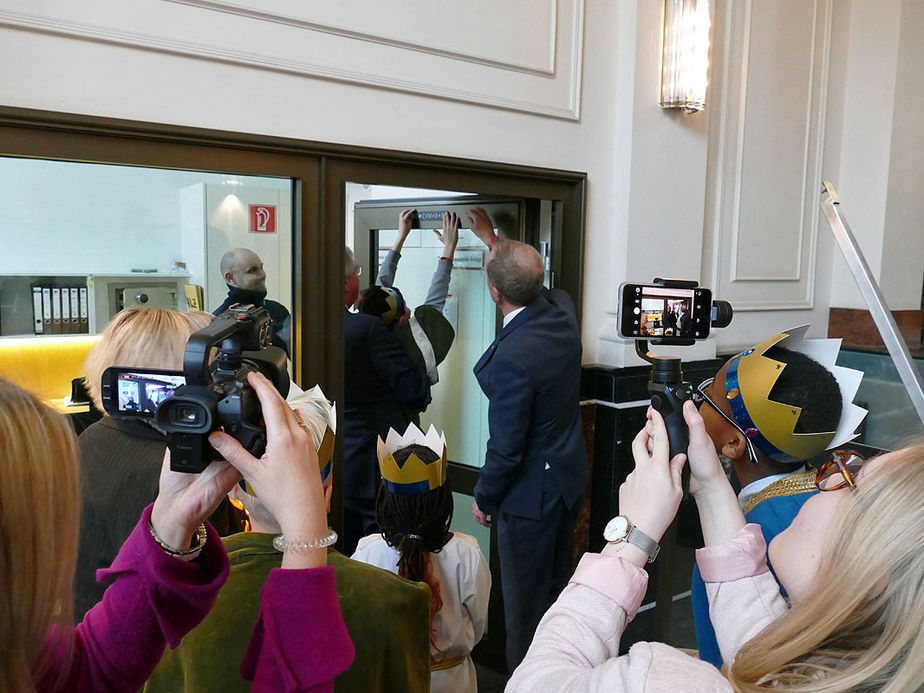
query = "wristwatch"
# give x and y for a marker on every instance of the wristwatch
(620, 529)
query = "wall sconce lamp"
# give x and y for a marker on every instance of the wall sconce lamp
(685, 55)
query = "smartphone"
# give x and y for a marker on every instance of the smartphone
(665, 313)
(136, 392)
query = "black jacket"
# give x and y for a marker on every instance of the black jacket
(378, 379)
(278, 312)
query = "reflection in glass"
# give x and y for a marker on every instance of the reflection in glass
(82, 241)
(132, 236)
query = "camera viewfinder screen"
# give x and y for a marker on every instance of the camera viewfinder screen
(141, 393)
(659, 312)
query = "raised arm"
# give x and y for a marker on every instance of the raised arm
(480, 224)
(719, 512)
(389, 267)
(439, 285)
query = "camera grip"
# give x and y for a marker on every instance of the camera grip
(668, 401)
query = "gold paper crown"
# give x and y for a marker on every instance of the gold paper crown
(770, 425)
(415, 476)
(395, 302)
(326, 447)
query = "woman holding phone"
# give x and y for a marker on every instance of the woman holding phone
(850, 561)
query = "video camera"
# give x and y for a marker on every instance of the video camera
(205, 396)
(674, 312)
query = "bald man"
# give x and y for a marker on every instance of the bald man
(535, 467)
(246, 280)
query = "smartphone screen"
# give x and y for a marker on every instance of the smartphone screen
(138, 393)
(652, 311)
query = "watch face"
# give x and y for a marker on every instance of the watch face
(616, 529)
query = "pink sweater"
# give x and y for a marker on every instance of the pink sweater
(577, 643)
(157, 599)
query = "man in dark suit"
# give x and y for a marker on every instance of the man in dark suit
(378, 379)
(535, 468)
(686, 321)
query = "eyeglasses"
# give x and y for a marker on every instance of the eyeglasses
(839, 471)
(703, 397)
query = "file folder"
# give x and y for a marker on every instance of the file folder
(38, 324)
(56, 310)
(84, 311)
(46, 310)
(75, 310)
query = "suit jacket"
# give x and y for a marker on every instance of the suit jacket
(379, 378)
(531, 375)
(686, 324)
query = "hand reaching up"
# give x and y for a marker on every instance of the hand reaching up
(480, 224)
(450, 234)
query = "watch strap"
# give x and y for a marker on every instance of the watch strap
(638, 538)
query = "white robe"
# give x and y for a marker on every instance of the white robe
(465, 585)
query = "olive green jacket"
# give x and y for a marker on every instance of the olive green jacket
(388, 619)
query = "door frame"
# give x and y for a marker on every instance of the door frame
(320, 171)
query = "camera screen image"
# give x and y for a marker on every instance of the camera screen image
(141, 393)
(660, 312)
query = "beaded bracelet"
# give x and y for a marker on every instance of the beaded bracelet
(280, 543)
(195, 547)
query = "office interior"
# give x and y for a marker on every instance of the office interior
(133, 146)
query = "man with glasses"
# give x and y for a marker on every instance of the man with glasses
(768, 410)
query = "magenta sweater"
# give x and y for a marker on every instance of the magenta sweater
(157, 599)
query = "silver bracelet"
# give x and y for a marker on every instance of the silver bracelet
(280, 543)
(195, 546)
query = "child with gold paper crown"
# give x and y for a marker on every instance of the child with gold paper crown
(769, 409)
(414, 510)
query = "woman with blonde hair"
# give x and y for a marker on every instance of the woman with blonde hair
(170, 568)
(121, 456)
(850, 561)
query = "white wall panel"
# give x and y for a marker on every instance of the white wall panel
(521, 55)
(762, 220)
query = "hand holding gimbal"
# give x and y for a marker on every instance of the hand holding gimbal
(667, 388)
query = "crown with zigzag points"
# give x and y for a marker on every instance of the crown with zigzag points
(325, 447)
(415, 475)
(770, 425)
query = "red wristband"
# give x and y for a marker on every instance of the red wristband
(492, 242)
(447, 259)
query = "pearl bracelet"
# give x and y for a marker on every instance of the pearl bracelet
(280, 543)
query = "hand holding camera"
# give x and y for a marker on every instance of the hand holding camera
(285, 477)
(209, 395)
(673, 312)
(652, 493)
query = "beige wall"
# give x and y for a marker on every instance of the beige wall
(569, 84)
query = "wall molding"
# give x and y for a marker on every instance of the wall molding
(238, 9)
(567, 109)
(791, 286)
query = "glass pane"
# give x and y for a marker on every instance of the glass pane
(82, 241)
(892, 421)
